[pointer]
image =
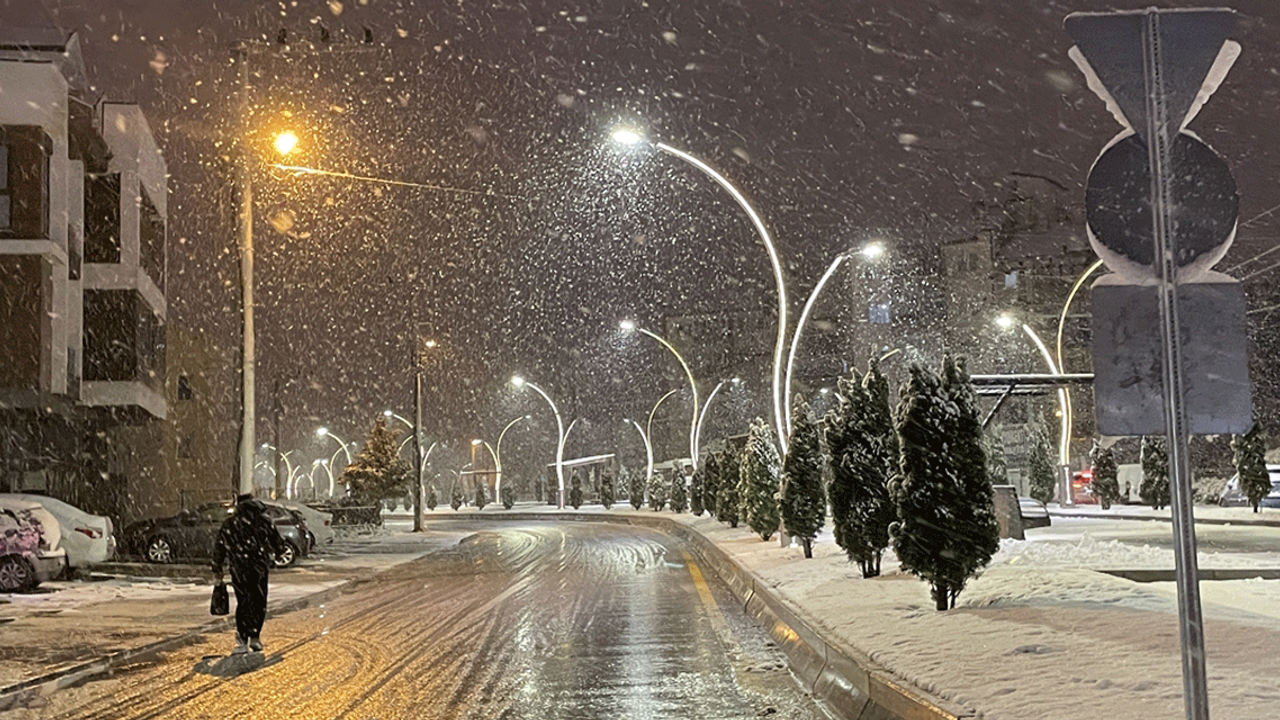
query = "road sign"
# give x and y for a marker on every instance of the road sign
(1154, 69)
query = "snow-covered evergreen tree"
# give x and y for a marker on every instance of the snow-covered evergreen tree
(864, 452)
(758, 481)
(508, 496)
(433, 497)
(1249, 453)
(728, 500)
(1106, 475)
(679, 490)
(1043, 478)
(804, 504)
(946, 527)
(378, 473)
(695, 492)
(657, 491)
(606, 490)
(1154, 489)
(711, 473)
(482, 498)
(636, 489)
(575, 491)
(997, 463)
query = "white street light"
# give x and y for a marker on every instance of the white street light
(520, 382)
(631, 137)
(326, 432)
(648, 450)
(628, 326)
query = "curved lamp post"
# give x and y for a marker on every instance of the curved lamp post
(1064, 439)
(520, 382)
(648, 451)
(497, 454)
(631, 137)
(326, 432)
(287, 463)
(871, 251)
(702, 416)
(628, 326)
(493, 456)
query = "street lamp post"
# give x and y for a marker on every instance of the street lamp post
(628, 326)
(630, 137)
(702, 416)
(497, 454)
(648, 452)
(342, 444)
(1064, 406)
(493, 455)
(519, 382)
(870, 250)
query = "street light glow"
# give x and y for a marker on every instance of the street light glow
(627, 325)
(872, 250)
(627, 136)
(286, 142)
(517, 381)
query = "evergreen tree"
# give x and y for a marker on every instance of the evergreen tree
(377, 473)
(679, 490)
(758, 481)
(553, 489)
(508, 496)
(1249, 453)
(657, 491)
(1155, 472)
(575, 491)
(456, 500)
(482, 498)
(695, 492)
(1043, 478)
(804, 504)
(606, 490)
(433, 497)
(710, 482)
(728, 500)
(636, 490)
(1106, 475)
(863, 467)
(946, 527)
(997, 463)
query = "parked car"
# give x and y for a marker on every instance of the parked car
(1231, 495)
(318, 522)
(1034, 513)
(191, 533)
(29, 546)
(87, 538)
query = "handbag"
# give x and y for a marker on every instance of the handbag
(220, 603)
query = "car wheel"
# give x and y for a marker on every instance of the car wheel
(288, 556)
(16, 574)
(159, 550)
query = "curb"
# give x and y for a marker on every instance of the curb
(19, 694)
(848, 682)
(1239, 522)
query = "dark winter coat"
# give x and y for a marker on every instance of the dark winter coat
(247, 540)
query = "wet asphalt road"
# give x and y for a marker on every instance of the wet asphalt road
(533, 620)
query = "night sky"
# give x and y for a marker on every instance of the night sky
(843, 121)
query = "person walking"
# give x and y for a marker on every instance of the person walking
(248, 543)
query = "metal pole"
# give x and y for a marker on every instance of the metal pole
(417, 443)
(278, 410)
(244, 179)
(1194, 686)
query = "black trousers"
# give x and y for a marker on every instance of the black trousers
(250, 584)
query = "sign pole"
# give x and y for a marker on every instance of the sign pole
(1191, 630)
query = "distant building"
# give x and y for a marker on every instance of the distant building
(83, 208)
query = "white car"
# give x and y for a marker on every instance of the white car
(87, 538)
(29, 552)
(319, 523)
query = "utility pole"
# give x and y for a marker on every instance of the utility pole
(277, 410)
(417, 438)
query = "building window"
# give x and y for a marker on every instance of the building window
(102, 218)
(184, 388)
(878, 313)
(24, 181)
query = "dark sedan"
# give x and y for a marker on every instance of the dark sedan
(191, 533)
